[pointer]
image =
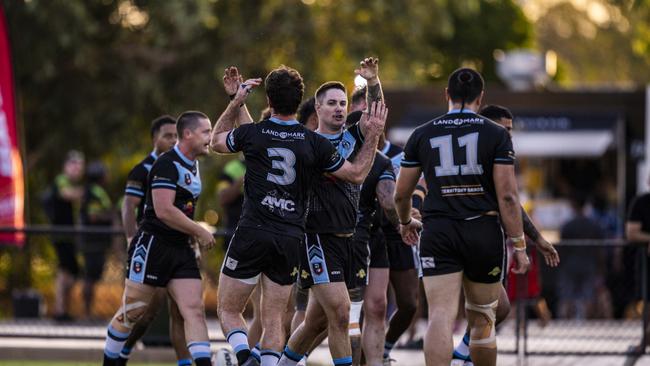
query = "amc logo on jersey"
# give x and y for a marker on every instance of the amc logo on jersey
(281, 203)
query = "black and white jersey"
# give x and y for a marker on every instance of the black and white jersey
(176, 172)
(457, 153)
(333, 203)
(137, 184)
(381, 169)
(283, 159)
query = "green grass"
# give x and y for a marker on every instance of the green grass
(71, 363)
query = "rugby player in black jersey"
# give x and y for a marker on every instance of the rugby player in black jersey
(283, 160)
(468, 165)
(160, 254)
(164, 136)
(378, 187)
(503, 116)
(325, 258)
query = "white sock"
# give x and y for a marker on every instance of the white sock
(114, 342)
(289, 357)
(462, 349)
(238, 340)
(270, 357)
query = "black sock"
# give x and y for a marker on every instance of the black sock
(243, 355)
(109, 361)
(203, 361)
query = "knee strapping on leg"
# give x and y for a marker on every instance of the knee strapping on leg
(482, 320)
(130, 312)
(356, 303)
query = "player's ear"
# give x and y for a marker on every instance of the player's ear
(479, 100)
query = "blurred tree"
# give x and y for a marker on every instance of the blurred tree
(92, 74)
(600, 42)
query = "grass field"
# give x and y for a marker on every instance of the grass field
(70, 363)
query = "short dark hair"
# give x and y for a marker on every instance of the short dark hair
(358, 95)
(495, 112)
(320, 92)
(284, 88)
(465, 85)
(307, 108)
(157, 123)
(188, 120)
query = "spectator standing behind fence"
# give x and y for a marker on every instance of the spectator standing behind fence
(61, 202)
(637, 229)
(96, 212)
(577, 274)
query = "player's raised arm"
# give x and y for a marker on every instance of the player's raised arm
(226, 121)
(369, 70)
(356, 171)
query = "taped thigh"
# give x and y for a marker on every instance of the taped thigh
(483, 335)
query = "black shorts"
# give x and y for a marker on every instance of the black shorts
(378, 251)
(475, 246)
(387, 250)
(66, 252)
(401, 256)
(253, 251)
(325, 258)
(154, 262)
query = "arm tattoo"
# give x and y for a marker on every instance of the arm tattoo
(374, 94)
(366, 155)
(384, 191)
(529, 228)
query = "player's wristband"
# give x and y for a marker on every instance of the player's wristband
(519, 242)
(406, 223)
(519, 249)
(418, 197)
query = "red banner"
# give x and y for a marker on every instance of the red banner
(12, 188)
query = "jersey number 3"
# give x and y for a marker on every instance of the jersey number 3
(447, 166)
(288, 160)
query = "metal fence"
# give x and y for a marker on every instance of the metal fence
(594, 303)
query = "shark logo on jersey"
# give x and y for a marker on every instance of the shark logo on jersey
(279, 202)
